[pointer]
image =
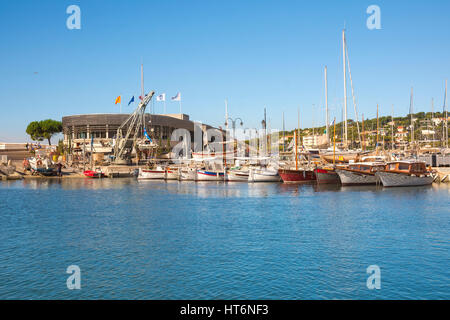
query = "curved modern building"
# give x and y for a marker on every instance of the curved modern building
(79, 130)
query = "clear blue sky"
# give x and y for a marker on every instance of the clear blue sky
(255, 53)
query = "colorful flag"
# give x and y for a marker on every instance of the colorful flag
(161, 97)
(132, 100)
(177, 97)
(140, 98)
(118, 100)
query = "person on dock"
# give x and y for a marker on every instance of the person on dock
(26, 165)
(59, 169)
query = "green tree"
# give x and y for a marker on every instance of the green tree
(45, 129)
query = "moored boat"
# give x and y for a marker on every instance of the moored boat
(297, 176)
(238, 174)
(326, 175)
(263, 175)
(405, 174)
(359, 173)
(188, 174)
(149, 174)
(205, 175)
(42, 166)
(172, 174)
(94, 174)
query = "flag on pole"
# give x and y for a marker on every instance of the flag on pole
(177, 97)
(132, 100)
(161, 97)
(118, 100)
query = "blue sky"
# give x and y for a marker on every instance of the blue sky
(254, 53)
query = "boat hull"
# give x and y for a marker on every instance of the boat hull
(189, 175)
(326, 176)
(237, 176)
(297, 176)
(93, 174)
(203, 175)
(392, 179)
(352, 178)
(146, 174)
(171, 175)
(263, 176)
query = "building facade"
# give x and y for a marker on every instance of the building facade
(80, 130)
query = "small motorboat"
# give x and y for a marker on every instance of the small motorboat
(94, 174)
(405, 174)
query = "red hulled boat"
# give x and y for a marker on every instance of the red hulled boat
(94, 174)
(297, 176)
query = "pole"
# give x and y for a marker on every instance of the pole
(180, 106)
(432, 122)
(345, 87)
(392, 128)
(377, 129)
(226, 112)
(363, 140)
(334, 141)
(142, 82)
(326, 106)
(284, 137)
(411, 110)
(446, 116)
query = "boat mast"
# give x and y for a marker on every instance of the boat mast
(363, 142)
(284, 136)
(334, 141)
(392, 128)
(296, 133)
(376, 147)
(411, 109)
(446, 115)
(345, 87)
(432, 122)
(326, 106)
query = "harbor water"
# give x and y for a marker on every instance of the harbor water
(183, 240)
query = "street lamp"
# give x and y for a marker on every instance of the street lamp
(233, 124)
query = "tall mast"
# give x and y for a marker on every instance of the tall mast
(432, 122)
(392, 128)
(376, 147)
(363, 143)
(446, 116)
(284, 136)
(326, 106)
(345, 87)
(411, 110)
(296, 133)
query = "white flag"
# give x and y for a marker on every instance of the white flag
(177, 97)
(161, 97)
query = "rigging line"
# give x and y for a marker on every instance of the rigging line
(353, 93)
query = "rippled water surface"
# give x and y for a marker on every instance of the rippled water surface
(172, 240)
